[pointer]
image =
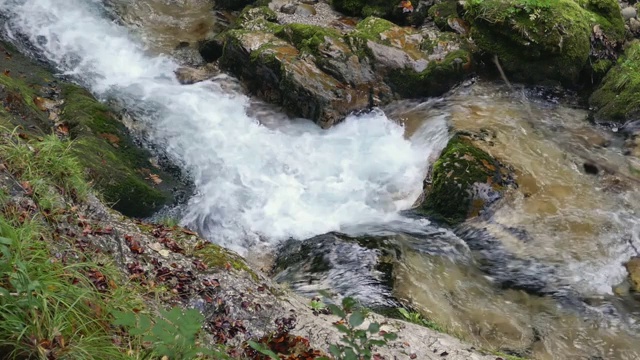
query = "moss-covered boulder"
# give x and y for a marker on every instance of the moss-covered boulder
(545, 40)
(464, 181)
(413, 64)
(443, 12)
(618, 98)
(633, 270)
(121, 170)
(324, 73)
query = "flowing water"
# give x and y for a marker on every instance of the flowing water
(261, 178)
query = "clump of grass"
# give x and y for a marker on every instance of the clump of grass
(50, 309)
(46, 167)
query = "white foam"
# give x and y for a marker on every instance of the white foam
(252, 182)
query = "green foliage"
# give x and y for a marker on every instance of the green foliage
(49, 309)
(173, 333)
(357, 343)
(617, 99)
(418, 319)
(45, 166)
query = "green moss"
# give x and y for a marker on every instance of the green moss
(538, 40)
(118, 168)
(307, 38)
(617, 99)
(459, 167)
(372, 27)
(607, 14)
(436, 79)
(218, 257)
(442, 12)
(252, 14)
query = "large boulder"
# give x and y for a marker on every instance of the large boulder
(464, 181)
(324, 73)
(617, 98)
(538, 41)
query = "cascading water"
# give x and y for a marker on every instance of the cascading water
(267, 179)
(252, 182)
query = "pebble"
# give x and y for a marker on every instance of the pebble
(629, 12)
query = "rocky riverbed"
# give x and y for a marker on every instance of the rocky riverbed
(473, 163)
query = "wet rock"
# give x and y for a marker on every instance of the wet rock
(633, 269)
(324, 74)
(358, 267)
(547, 41)
(464, 182)
(616, 100)
(187, 75)
(590, 168)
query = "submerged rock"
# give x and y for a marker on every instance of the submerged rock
(464, 181)
(324, 73)
(633, 268)
(546, 41)
(617, 98)
(359, 267)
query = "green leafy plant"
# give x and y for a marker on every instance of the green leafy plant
(417, 318)
(357, 343)
(173, 333)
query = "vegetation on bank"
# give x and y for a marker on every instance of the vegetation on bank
(617, 99)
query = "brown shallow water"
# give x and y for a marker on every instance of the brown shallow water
(579, 224)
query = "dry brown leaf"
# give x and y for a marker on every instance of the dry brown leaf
(155, 178)
(62, 129)
(7, 73)
(111, 138)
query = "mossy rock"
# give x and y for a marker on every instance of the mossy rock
(217, 257)
(442, 12)
(543, 41)
(413, 64)
(120, 169)
(465, 180)
(307, 38)
(617, 99)
(633, 270)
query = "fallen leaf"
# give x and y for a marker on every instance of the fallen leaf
(111, 138)
(28, 190)
(6, 73)
(155, 178)
(62, 129)
(488, 165)
(133, 244)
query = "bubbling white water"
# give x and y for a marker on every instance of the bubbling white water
(252, 182)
